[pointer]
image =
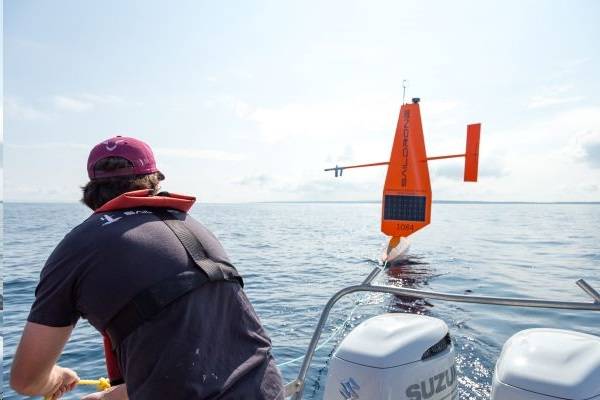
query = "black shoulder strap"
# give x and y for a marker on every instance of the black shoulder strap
(216, 271)
(151, 301)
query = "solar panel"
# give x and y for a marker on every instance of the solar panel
(404, 208)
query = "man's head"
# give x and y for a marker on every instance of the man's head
(119, 165)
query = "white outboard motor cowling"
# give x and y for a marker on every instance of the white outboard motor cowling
(548, 364)
(394, 356)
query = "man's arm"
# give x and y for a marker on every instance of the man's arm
(33, 371)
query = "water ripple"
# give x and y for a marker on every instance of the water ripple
(295, 256)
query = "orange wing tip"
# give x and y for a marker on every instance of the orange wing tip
(472, 153)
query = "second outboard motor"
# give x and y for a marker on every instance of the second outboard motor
(394, 356)
(548, 364)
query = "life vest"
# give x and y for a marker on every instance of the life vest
(127, 319)
(145, 198)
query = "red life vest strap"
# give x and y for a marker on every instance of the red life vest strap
(112, 367)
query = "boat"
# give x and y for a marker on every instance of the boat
(406, 356)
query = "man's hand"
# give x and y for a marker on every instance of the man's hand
(64, 380)
(118, 392)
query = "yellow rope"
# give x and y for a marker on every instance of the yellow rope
(101, 384)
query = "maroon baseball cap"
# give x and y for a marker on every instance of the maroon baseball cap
(135, 151)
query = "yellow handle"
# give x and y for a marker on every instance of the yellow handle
(101, 384)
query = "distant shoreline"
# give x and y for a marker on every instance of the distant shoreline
(434, 201)
(353, 202)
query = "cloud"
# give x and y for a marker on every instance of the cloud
(108, 99)
(489, 167)
(339, 119)
(553, 95)
(50, 145)
(203, 154)
(294, 120)
(348, 119)
(312, 188)
(260, 180)
(551, 159)
(159, 151)
(568, 68)
(40, 193)
(86, 102)
(439, 107)
(554, 157)
(240, 73)
(48, 107)
(592, 188)
(545, 101)
(331, 189)
(65, 103)
(15, 109)
(592, 154)
(586, 147)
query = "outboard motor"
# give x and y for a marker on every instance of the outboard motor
(394, 356)
(548, 364)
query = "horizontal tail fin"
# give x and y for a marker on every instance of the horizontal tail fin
(472, 153)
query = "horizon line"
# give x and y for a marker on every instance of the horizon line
(338, 202)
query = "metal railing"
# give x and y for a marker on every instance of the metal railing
(296, 387)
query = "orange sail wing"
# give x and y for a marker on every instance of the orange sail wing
(406, 204)
(407, 190)
(472, 153)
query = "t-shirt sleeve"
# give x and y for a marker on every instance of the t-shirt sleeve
(55, 300)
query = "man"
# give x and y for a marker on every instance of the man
(159, 287)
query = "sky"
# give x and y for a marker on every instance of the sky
(247, 101)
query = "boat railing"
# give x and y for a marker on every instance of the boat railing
(295, 388)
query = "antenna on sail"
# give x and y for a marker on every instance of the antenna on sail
(404, 86)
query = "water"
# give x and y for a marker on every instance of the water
(295, 256)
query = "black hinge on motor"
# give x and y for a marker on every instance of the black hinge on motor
(437, 348)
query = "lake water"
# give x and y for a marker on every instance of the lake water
(295, 256)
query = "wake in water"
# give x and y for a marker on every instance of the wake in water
(410, 272)
(475, 371)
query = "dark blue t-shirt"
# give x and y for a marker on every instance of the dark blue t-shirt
(208, 344)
